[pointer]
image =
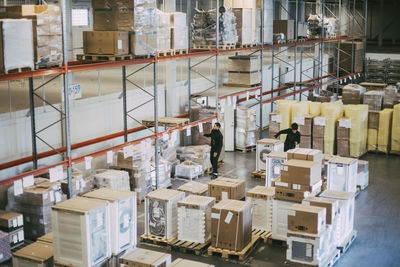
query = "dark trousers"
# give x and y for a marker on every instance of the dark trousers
(214, 162)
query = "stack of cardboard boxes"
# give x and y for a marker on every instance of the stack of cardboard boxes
(227, 188)
(353, 94)
(305, 128)
(343, 137)
(300, 178)
(318, 133)
(244, 71)
(11, 234)
(374, 100)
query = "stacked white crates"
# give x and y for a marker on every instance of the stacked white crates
(81, 232)
(161, 214)
(262, 198)
(194, 218)
(345, 229)
(123, 217)
(342, 174)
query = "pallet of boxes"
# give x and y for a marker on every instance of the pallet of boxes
(11, 233)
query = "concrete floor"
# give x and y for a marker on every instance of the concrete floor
(377, 217)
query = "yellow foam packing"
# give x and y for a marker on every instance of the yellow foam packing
(285, 110)
(372, 139)
(359, 128)
(300, 109)
(385, 124)
(331, 112)
(396, 129)
(315, 109)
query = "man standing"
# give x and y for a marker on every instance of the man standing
(216, 147)
(292, 137)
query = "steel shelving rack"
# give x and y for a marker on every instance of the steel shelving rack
(261, 95)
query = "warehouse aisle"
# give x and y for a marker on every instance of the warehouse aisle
(377, 216)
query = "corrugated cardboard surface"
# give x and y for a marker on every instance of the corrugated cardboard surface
(301, 172)
(106, 42)
(194, 188)
(307, 219)
(164, 194)
(261, 192)
(227, 188)
(145, 258)
(37, 252)
(231, 224)
(187, 263)
(331, 205)
(196, 202)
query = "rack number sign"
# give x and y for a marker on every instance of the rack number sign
(75, 91)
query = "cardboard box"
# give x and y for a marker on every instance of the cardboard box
(109, 16)
(286, 27)
(319, 127)
(231, 222)
(373, 120)
(194, 188)
(227, 188)
(37, 254)
(306, 219)
(185, 263)
(282, 193)
(301, 172)
(145, 258)
(142, 44)
(305, 125)
(46, 238)
(244, 78)
(305, 154)
(306, 141)
(243, 63)
(343, 147)
(331, 206)
(106, 42)
(299, 187)
(318, 143)
(10, 221)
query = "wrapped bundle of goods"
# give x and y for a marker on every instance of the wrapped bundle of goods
(80, 184)
(204, 27)
(390, 98)
(244, 25)
(316, 29)
(374, 100)
(268, 22)
(197, 154)
(373, 127)
(164, 173)
(194, 188)
(274, 123)
(194, 218)
(113, 179)
(81, 226)
(343, 137)
(395, 144)
(353, 94)
(331, 112)
(123, 217)
(17, 45)
(138, 167)
(161, 209)
(188, 170)
(231, 224)
(35, 204)
(261, 198)
(342, 174)
(179, 31)
(227, 188)
(359, 128)
(385, 125)
(245, 131)
(47, 32)
(244, 71)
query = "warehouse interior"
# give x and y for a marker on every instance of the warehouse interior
(125, 167)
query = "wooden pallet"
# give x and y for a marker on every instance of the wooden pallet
(262, 234)
(241, 85)
(347, 243)
(181, 51)
(276, 242)
(143, 56)
(15, 70)
(258, 174)
(49, 65)
(224, 46)
(156, 240)
(329, 262)
(231, 254)
(245, 149)
(102, 58)
(245, 45)
(166, 53)
(189, 247)
(166, 122)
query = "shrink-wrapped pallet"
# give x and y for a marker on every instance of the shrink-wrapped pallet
(331, 112)
(245, 128)
(373, 99)
(198, 154)
(353, 94)
(285, 112)
(372, 142)
(315, 109)
(359, 128)
(113, 179)
(188, 170)
(396, 129)
(385, 125)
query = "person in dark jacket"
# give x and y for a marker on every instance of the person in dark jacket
(292, 137)
(216, 147)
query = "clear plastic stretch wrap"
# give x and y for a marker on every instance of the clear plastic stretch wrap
(204, 27)
(188, 170)
(359, 128)
(315, 26)
(385, 123)
(285, 112)
(164, 173)
(17, 44)
(331, 112)
(396, 129)
(262, 198)
(198, 154)
(245, 126)
(113, 179)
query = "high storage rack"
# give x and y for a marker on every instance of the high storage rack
(356, 23)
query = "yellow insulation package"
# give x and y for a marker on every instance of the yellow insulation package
(300, 109)
(332, 113)
(359, 128)
(396, 129)
(315, 109)
(385, 125)
(372, 139)
(285, 111)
